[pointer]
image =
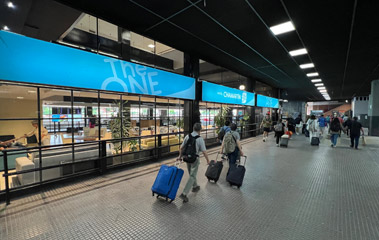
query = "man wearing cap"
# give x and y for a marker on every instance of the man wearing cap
(44, 133)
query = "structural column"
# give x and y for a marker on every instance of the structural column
(250, 87)
(191, 108)
(373, 111)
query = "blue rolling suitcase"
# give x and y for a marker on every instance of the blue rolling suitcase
(167, 182)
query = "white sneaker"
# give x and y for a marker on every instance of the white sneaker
(277, 145)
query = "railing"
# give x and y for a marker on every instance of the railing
(69, 168)
(73, 167)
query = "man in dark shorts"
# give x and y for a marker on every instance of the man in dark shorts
(266, 124)
(355, 132)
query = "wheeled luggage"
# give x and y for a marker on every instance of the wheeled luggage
(315, 141)
(236, 173)
(306, 133)
(167, 182)
(284, 140)
(214, 170)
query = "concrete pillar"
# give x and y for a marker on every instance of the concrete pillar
(250, 87)
(191, 108)
(374, 109)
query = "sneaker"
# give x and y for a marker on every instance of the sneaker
(332, 145)
(196, 189)
(277, 145)
(264, 140)
(183, 197)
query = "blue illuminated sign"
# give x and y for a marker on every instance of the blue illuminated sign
(24, 59)
(221, 94)
(263, 101)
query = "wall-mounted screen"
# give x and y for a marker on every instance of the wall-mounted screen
(25, 59)
(269, 102)
(221, 94)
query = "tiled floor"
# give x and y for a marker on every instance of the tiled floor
(302, 192)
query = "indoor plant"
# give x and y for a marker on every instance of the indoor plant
(119, 129)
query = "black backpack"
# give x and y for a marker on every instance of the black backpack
(190, 154)
(335, 127)
(221, 134)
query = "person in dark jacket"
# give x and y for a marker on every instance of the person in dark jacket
(279, 131)
(347, 125)
(356, 129)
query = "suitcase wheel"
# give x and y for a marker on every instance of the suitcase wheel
(153, 194)
(166, 199)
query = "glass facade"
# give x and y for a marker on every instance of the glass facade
(77, 127)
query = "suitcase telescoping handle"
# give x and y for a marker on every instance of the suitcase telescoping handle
(218, 153)
(245, 160)
(177, 163)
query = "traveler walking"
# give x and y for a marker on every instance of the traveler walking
(223, 131)
(356, 129)
(279, 131)
(266, 124)
(232, 145)
(322, 124)
(334, 130)
(312, 127)
(347, 125)
(327, 119)
(190, 149)
(299, 125)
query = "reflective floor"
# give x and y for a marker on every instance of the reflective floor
(302, 192)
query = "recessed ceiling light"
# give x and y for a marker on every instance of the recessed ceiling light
(10, 5)
(321, 88)
(282, 28)
(242, 87)
(307, 65)
(20, 97)
(319, 84)
(32, 91)
(6, 28)
(298, 52)
(314, 74)
(316, 80)
(323, 91)
(151, 46)
(285, 100)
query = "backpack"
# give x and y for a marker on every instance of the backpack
(230, 143)
(278, 127)
(190, 153)
(335, 127)
(221, 134)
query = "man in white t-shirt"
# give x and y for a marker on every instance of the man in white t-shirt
(193, 167)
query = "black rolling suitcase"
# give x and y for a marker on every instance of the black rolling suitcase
(315, 141)
(236, 174)
(214, 170)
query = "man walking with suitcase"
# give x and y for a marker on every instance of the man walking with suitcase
(191, 147)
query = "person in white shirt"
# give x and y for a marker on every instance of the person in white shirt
(45, 140)
(313, 127)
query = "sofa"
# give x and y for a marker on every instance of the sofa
(11, 159)
(54, 156)
(147, 143)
